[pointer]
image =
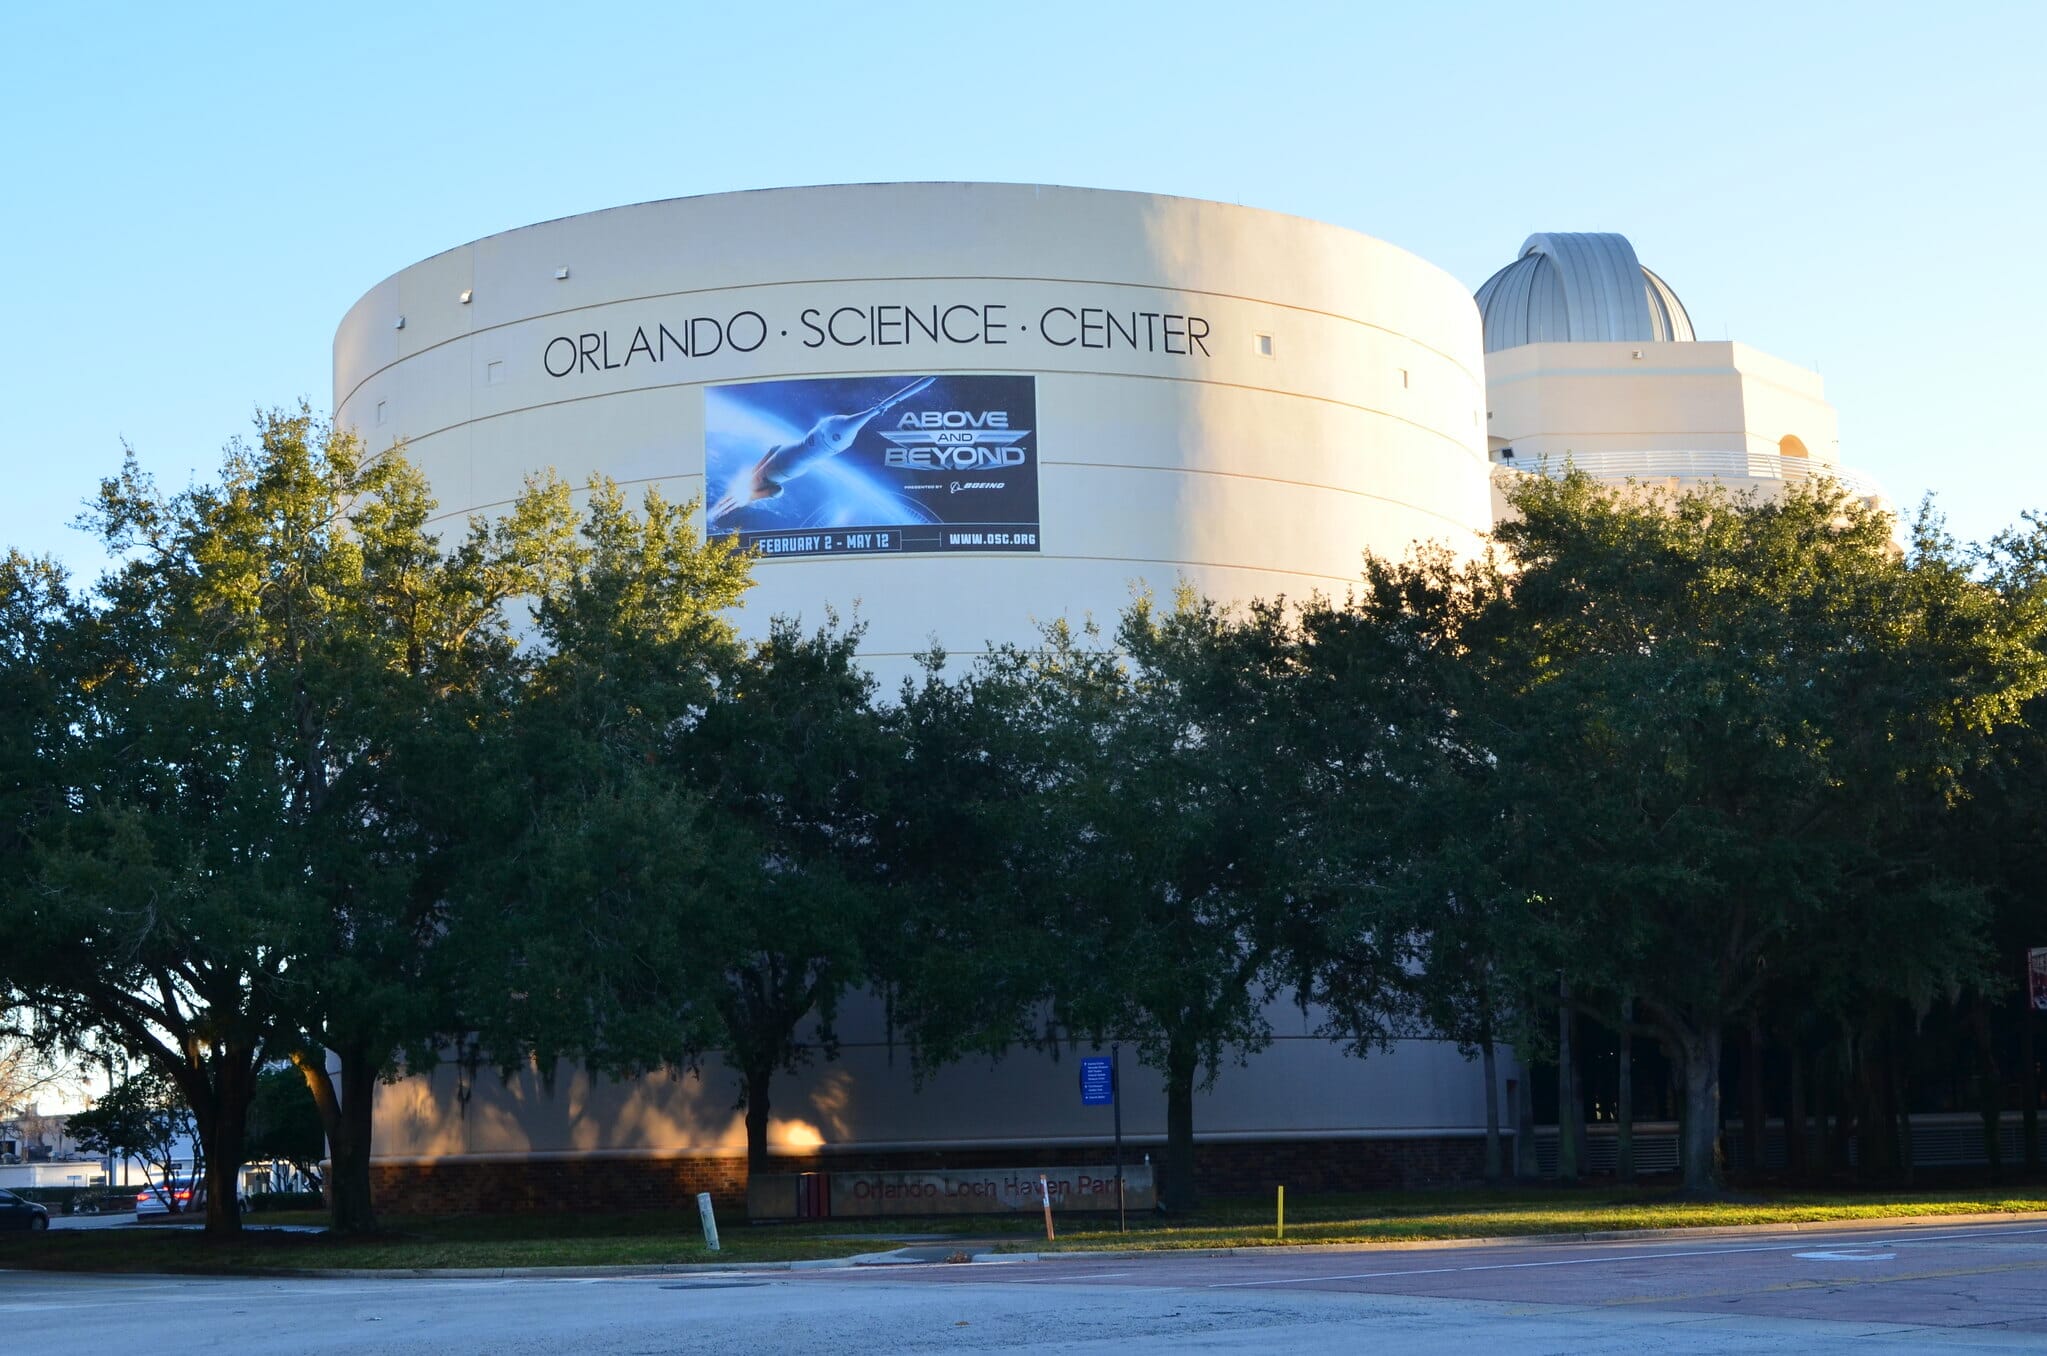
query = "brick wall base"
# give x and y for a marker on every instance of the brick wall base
(484, 1187)
(516, 1187)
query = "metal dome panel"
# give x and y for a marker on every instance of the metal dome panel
(1578, 287)
(1667, 315)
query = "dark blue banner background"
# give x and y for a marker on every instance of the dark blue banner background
(857, 465)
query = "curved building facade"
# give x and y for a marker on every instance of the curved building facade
(964, 408)
(960, 411)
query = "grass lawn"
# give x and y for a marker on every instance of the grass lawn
(1411, 1217)
(652, 1238)
(661, 1237)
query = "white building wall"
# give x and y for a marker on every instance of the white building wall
(1584, 399)
(1299, 1087)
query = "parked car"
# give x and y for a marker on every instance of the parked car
(16, 1213)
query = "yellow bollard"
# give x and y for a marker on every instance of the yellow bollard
(1282, 1212)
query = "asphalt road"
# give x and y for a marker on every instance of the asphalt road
(1913, 1290)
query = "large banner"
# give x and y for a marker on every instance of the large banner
(855, 465)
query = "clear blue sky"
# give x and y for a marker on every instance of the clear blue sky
(195, 194)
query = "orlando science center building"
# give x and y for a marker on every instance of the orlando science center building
(961, 410)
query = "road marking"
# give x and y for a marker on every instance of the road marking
(1824, 1283)
(1845, 1256)
(1592, 1261)
(1486, 1266)
(1064, 1280)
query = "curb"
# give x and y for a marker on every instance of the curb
(563, 1273)
(865, 1259)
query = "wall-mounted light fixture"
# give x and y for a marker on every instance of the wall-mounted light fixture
(466, 295)
(560, 273)
(399, 323)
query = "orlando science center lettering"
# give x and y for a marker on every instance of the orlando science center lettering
(931, 326)
(881, 464)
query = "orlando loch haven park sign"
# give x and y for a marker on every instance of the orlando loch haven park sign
(962, 1191)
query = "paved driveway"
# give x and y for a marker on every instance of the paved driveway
(107, 1221)
(1915, 1290)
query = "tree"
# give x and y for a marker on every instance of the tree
(261, 719)
(142, 1117)
(724, 876)
(26, 1072)
(798, 763)
(35, 609)
(594, 860)
(1153, 843)
(285, 1125)
(957, 960)
(146, 909)
(1399, 920)
(1999, 842)
(387, 661)
(1718, 723)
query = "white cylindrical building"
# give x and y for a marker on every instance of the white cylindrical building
(963, 410)
(1236, 398)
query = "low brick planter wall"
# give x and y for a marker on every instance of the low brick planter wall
(538, 1186)
(545, 1186)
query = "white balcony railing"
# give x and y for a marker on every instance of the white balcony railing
(1727, 467)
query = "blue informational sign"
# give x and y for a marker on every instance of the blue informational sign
(873, 465)
(1097, 1081)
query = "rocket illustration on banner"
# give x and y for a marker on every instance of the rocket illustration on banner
(828, 437)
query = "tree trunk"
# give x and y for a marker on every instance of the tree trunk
(1675, 1065)
(223, 1119)
(1876, 1132)
(347, 1115)
(1990, 1099)
(1755, 1116)
(1795, 1139)
(2029, 1084)
(1179, 1194)
(1844, 1154)
(1569, 1116)
(1849, 1108)
(1624, 1098)
(1824, 1158)
(1901, 1085)
(1526, 1167)
(757, 1080)
(1490, 1062)
(1700, 1134)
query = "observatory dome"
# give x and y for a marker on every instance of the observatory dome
(1575, 287)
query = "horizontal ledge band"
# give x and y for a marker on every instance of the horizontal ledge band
(928, 1146)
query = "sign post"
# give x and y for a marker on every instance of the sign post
(710, 1220)
(1115, 1087)
(1099, 1085)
